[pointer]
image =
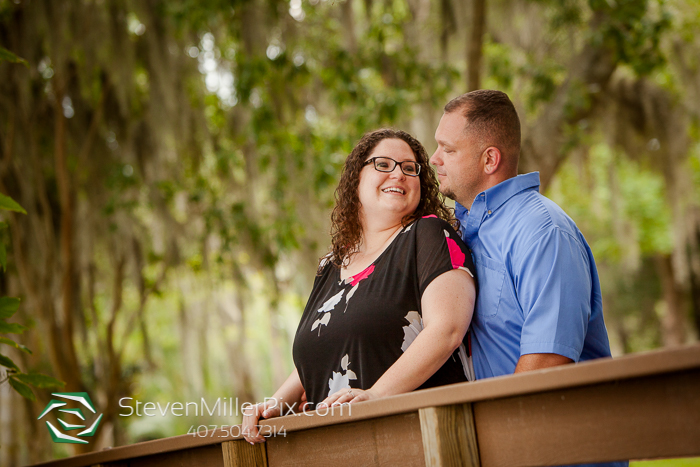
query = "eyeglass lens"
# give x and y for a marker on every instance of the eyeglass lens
(386, 164)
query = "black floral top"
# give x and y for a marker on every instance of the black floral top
(353, 330)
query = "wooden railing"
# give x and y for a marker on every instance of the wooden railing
(637, 406)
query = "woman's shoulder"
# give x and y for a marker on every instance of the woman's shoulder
(433, 225)
(325, 265)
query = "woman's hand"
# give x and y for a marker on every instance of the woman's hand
(347, 396)
(289, 395)
(253, 414)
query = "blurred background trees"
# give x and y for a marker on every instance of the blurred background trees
(177, 162)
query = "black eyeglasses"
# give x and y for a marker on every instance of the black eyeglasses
(387, 164)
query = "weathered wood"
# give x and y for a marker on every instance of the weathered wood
(653, 417)
(603, 370)
(243, 454)
(636, 406)
(385, 441)
(449, 436)
(207, 455)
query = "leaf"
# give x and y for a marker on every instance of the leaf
(8, 56)
(10, 204)
(8, 306)
(10, 342)
(23, 390)
(350, 374)
(11, 328)
(8, 363)
(345, 362)
(41, 381)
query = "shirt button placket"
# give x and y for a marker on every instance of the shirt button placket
(475, 215)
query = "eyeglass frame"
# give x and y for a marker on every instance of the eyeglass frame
(400, 164)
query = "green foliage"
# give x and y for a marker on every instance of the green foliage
(634, 29)
(10, 342)
(11, 328)
(7, 56)
(225, 190)
(8, 307)
(18, 380)
(23, 389)
(39, 381)
(8, 363)
(622, 209)
(689, 462)
(9, 204)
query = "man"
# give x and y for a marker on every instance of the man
(539, 301)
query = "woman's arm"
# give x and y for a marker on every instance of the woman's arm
(287, 397)
(447, 305)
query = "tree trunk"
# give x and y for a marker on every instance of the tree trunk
(544, 140)
(349, 26)
(475, 45)
(694, 261)
(672, 321)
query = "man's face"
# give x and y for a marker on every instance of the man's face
(457, 160)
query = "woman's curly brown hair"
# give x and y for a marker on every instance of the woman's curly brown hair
(346, 230)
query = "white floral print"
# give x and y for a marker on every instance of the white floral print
(326, 308)
(341, 381)
(411, 331)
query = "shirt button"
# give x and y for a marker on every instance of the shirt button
(489, 213)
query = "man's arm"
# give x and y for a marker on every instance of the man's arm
(553, 282)
(537, 361)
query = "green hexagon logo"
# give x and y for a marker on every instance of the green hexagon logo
(76, 415)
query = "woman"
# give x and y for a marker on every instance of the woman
(392, 302)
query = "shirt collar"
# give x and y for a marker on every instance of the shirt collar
(495, 196)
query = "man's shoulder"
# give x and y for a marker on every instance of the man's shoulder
(530, 218)
(533, 214)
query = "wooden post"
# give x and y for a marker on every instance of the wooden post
(242, 454)
(449, 436)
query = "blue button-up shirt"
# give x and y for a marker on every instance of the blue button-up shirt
(538, 284)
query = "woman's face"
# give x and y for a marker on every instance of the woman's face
(392, 193)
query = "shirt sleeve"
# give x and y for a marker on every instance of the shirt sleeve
(554, 285)
(439, 249)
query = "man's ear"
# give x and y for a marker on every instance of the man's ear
(492, 160)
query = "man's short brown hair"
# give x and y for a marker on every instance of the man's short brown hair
(492, 117)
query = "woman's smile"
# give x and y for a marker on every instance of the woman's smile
(394, 193)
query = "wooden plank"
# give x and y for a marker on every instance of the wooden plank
(243, 454)
(211, 456)
(385, 441)
(449, 436)
(603, 370)
(630, 367)
(652, 417)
